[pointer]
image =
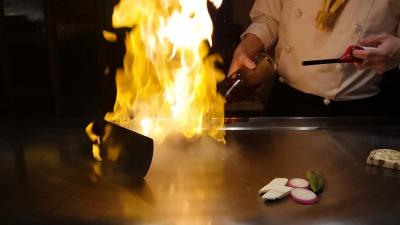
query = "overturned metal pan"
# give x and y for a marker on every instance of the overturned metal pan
(119, 149)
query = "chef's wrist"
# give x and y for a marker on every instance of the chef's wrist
(250, 45)
(392, 53)
(397, 52)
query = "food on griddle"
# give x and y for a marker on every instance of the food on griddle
(277, 192)
(316, 180)
(275, 183)
(298, 183)
(279, 188)
(304, 196)
(387, 158)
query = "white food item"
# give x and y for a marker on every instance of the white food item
(275, 183)
(277, 192)
(387, 158)
(272, 195)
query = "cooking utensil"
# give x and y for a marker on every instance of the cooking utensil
(347, 57)
(123, 150)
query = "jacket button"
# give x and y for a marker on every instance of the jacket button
(357, 28)
(339, 67)
(298, 13)
(327, 101)
(288, 48)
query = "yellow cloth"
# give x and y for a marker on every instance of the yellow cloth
(326, 16)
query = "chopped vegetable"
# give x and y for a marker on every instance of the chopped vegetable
(304, 196)
(298, 183)
(277, 182)
(316, 180)
(277, 193)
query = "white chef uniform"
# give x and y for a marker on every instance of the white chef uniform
(291, 25)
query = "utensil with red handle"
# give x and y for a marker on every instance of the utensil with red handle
(347, 57)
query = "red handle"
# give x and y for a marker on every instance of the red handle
(348, 56)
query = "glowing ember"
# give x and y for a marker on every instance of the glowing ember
(168, 83)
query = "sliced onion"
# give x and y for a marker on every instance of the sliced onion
(298, 183)
(304, 196)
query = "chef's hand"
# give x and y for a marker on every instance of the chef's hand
(246, 49)
(240, 60)
(386, 56)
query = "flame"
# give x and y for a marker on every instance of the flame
(110, 36)
(95, 141)
(168, 83)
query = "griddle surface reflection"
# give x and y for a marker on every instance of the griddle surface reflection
(48, 176)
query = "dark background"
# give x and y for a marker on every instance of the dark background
(53, 55)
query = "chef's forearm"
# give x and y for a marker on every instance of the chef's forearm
(249, 45)
(265, 17)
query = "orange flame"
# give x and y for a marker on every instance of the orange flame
(168, 83)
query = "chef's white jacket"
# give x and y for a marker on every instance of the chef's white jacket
(290, 24)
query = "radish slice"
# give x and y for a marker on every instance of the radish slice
(298, 183)
(304, 196)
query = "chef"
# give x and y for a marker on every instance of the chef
(319, 29)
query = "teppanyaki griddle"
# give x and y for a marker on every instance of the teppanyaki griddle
(48, 176)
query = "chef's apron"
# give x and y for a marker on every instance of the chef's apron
(287, 101)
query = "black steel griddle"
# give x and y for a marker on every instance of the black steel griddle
(48, 176)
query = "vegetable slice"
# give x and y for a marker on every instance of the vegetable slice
(304, 196)
(298, 183)
(316, 180)
(277, 192)
(276, 189)
(277, 182)
(272, 195)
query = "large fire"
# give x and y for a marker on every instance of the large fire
(168, 83)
